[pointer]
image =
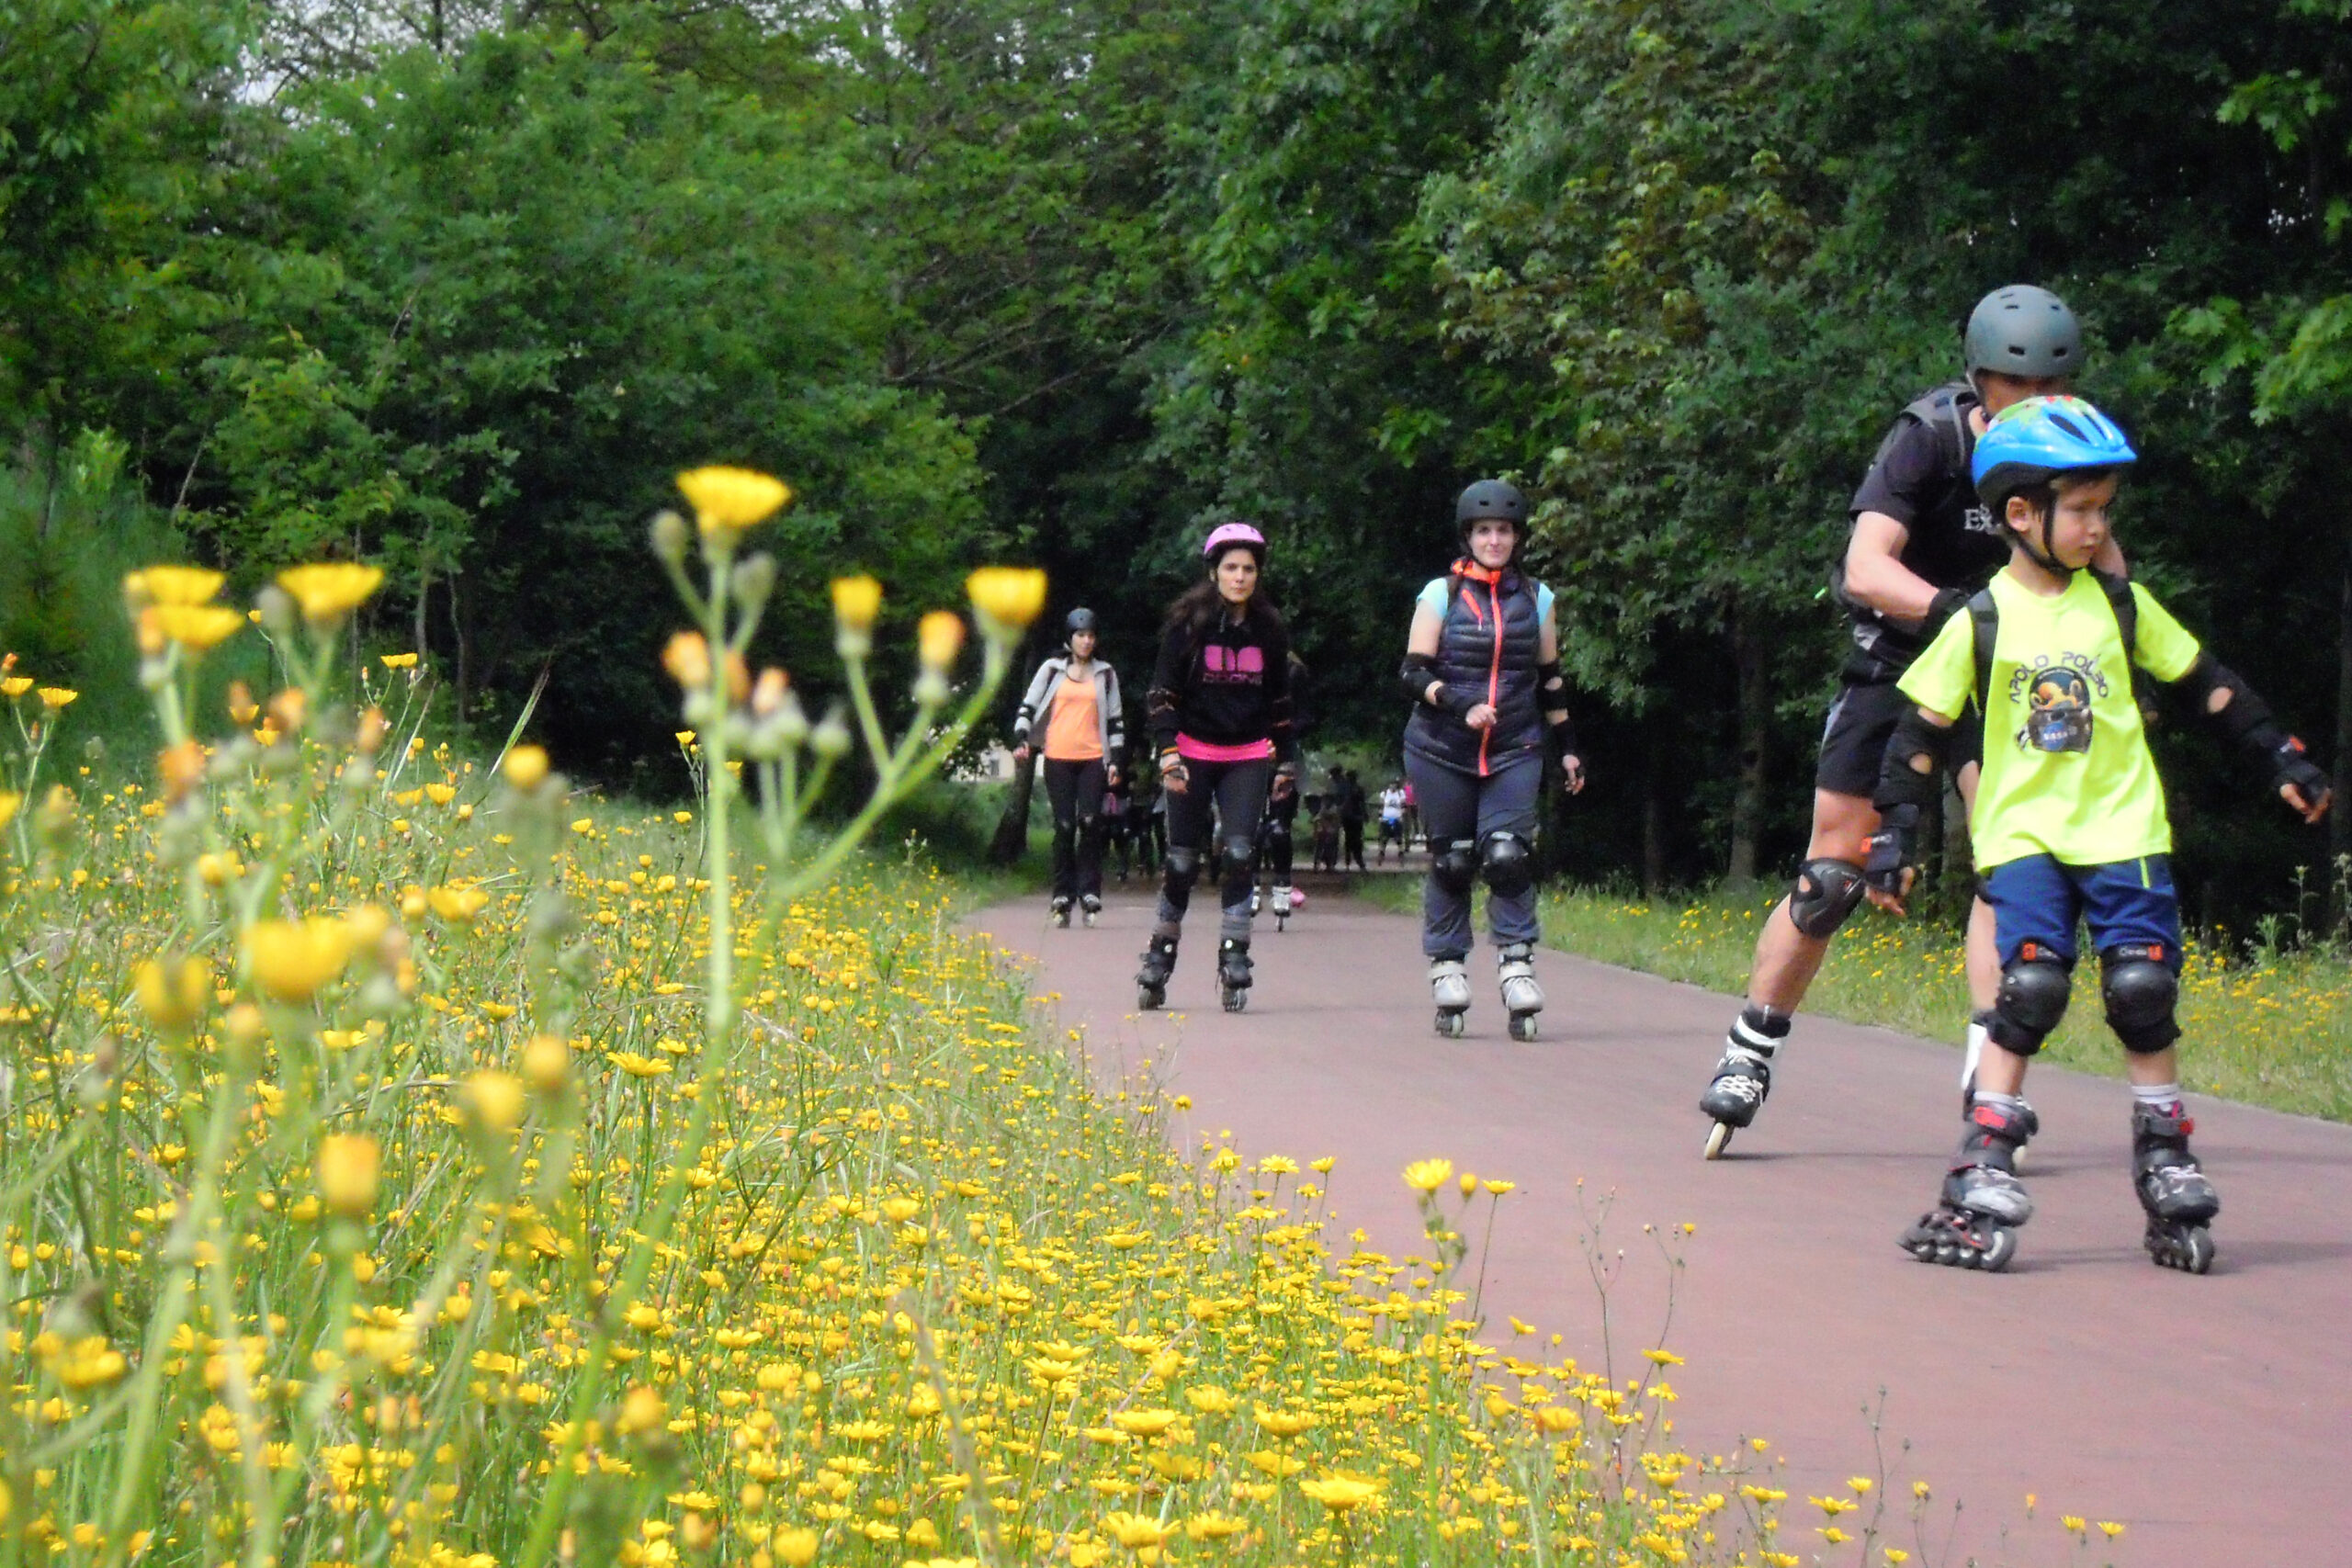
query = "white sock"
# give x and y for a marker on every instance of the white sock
(2156, 1096)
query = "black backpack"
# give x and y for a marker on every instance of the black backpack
(1943, 410)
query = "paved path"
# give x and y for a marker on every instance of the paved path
(2212, 1415)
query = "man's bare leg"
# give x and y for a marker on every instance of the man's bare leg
(1786, 958)
(1788, 951)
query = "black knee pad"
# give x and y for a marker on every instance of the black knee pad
(1824, 893)
(1184, 869)
(2033, 999)
(2139, 990)
(1278, 835)
(1455, 866)
(1508, 862)
(1240, 854)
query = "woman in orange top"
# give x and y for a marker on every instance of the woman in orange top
(1077, 696)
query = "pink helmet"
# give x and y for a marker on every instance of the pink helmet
(1225, 536)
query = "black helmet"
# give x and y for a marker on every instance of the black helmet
(1080, 620)
(1496, 499)
(1491, 498)
(2023, 331)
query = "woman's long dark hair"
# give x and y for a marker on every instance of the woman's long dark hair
(1201, 607)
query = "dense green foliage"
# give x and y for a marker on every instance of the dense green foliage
(454, 290)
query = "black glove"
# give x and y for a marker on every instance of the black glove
(2290, 765)
(1948, 602)
(1893, 850)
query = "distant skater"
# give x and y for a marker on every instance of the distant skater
(1076, 696)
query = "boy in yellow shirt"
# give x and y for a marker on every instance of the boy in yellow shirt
(2069, 821)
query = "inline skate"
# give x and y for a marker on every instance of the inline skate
(1974, 1223)
(1449, 990)
(1744, 1077)
(1090, 911)
(1522, 998)
(1159, 963)
(2179, 1198)
(1233, 972)
(1061, 912)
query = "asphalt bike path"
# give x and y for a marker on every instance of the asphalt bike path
(2209, 1416)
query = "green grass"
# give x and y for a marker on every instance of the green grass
(2264, 1026)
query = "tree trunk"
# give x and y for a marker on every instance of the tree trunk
(2339, 821)
(1011, 840)
(1653, 805)
(1755, 722)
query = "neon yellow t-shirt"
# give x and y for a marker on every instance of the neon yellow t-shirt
(2067, 771)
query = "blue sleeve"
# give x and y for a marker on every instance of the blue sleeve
(1543, 600)
(1432, 598)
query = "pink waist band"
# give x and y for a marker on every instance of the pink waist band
(1194, 751)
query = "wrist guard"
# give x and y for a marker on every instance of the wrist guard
(1948, 602)
(1912, 774)
(1416, 675)
(1893, 850)
(1171, 766)
(1564, 738)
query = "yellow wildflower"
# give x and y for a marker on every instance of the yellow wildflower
(1137, 1531)
(16, 685)
(939, 636)
(177, 585)
(1008, 597)
(57, 696)
(328, 590)
(1428, 1174)
(1341, 1492)
(1144, 1423)
(494, 1099)
(349, 1165)
(525, 766)
(398, 660)
(291, 959)
(194, 628)
(794, 1548)
(727, 500)
(856, 601)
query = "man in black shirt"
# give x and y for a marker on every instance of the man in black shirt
(1922, 544)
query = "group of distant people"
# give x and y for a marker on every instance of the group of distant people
(1998, 638)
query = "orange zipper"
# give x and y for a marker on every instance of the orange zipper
(1493, 678)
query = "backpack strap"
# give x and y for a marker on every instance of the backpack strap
(1985, 620)
(1944, 409)
(2126, 605)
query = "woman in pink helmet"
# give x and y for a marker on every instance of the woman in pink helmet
(1220, 715)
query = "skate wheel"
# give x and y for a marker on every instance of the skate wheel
(1147, 998)
(1451, 1025)
(1718, 1136)
(2189, 1248)
(1235, 1000)
(2000, 1245)
(1523, 1028)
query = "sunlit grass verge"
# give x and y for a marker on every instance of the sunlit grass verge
(2266, 1027)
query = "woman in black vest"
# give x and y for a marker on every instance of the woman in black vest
(1482, 668)
(1220, 712)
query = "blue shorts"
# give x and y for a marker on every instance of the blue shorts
(2040, 900)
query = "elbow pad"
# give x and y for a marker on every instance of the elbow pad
(2242, 717)
(1916, 758)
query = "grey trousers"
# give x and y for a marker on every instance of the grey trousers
(1459, 810)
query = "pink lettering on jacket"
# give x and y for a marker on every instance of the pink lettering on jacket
(1238, 664)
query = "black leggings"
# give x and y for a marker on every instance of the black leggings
(1076, 791)
(1238, 790)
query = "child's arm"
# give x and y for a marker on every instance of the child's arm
(1908, 783)
(2232, 707)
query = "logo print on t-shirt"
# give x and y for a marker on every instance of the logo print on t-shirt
(1243, 664)
(2058, 711)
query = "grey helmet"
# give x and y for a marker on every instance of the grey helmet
(2023, 331)
(1080, 620)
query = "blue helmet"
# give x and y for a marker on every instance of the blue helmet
(2033, 442)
